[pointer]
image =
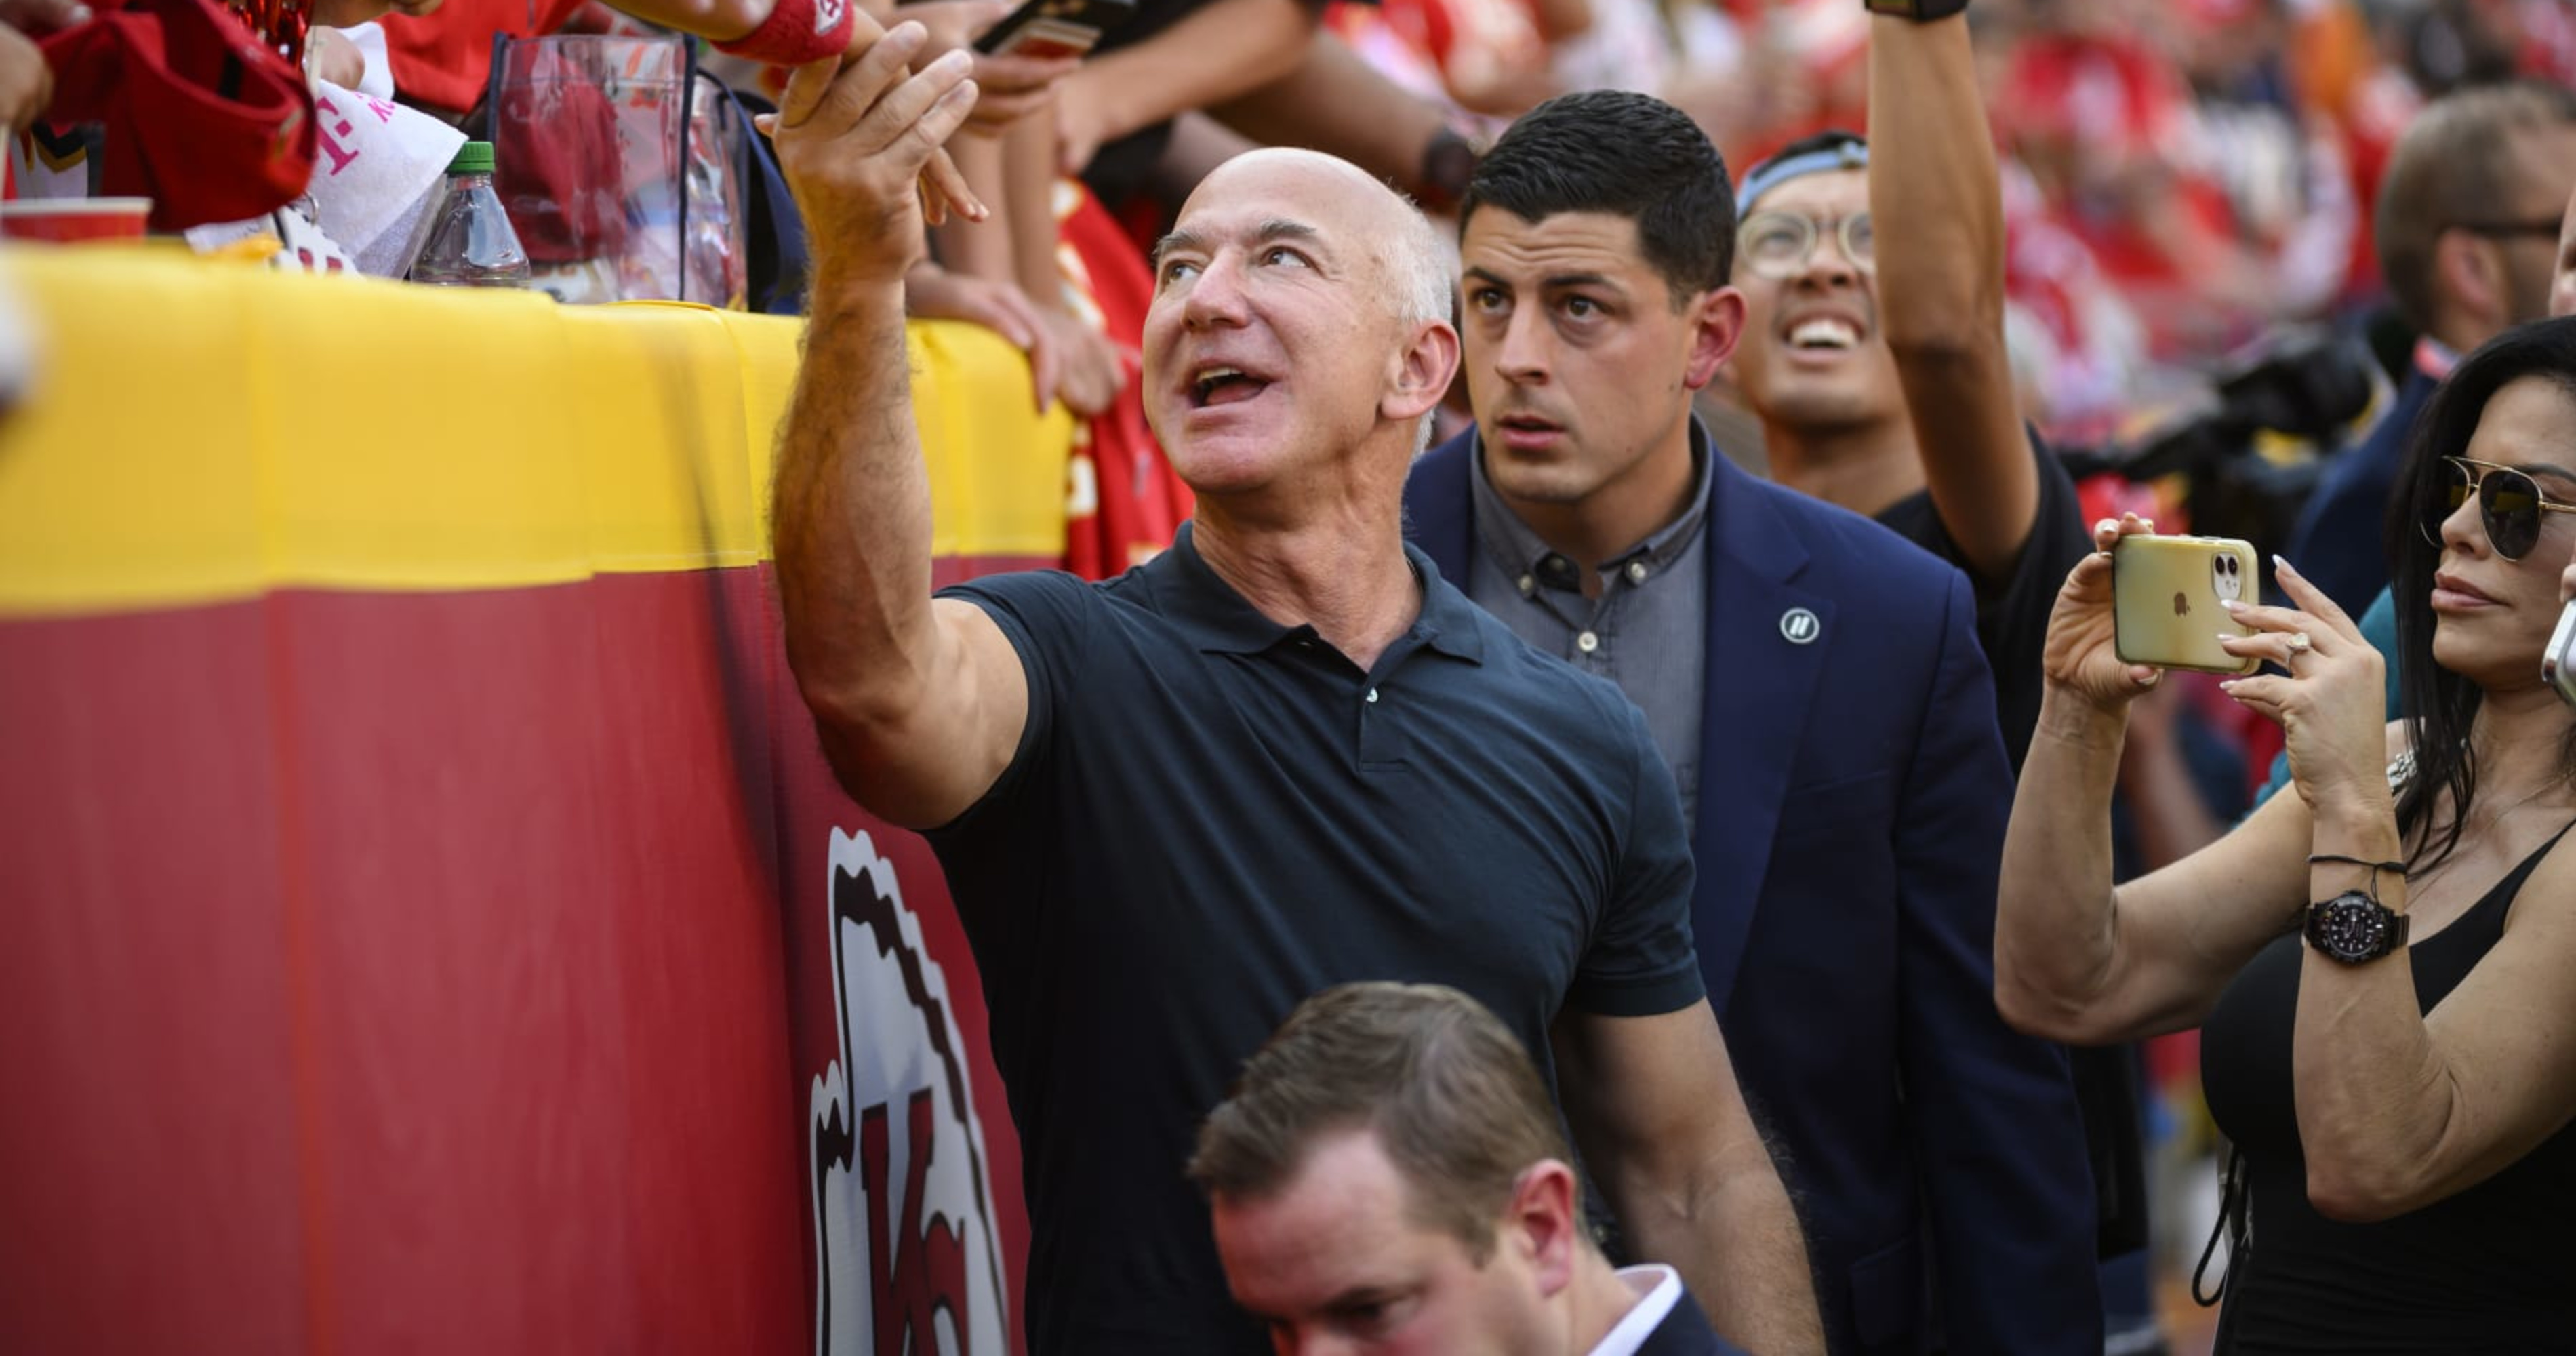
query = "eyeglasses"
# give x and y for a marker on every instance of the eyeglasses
(2509, 505)
(1779, 244)
(2509, 228)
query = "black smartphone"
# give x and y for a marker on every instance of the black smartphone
(1054, 28)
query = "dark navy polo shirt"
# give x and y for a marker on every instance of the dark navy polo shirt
(1211, 816)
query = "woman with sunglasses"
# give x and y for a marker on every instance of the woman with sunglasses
(2381, 963)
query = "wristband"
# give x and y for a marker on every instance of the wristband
(1448, 164)
(796, 33)
(1920, 11)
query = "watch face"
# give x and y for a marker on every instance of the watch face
(2352, 928)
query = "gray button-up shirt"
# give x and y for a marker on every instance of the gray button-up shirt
(1647, 632)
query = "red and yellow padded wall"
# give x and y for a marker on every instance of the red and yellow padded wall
(425, 921)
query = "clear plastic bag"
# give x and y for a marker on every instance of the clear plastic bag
(618, 174)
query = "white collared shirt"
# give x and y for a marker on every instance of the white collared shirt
(1658, 1288)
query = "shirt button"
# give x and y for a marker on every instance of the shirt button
(1372, 696)
(1587, 642)
(1529, 585)
(1636, 572)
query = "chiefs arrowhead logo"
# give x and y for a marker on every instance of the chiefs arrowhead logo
(829, 13)
(907, 1260)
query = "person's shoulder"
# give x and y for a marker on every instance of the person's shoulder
(1051, 589)
(1541, 687)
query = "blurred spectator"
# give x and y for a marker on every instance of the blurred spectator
(2467, 227)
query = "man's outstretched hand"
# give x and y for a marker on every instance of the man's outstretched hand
(859, 139)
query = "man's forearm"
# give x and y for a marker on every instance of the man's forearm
(1217, 53)
(1337, 103)
(1934, 185)
(851, 509)
(1736, 1242)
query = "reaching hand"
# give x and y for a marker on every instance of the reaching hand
(1010, 87)
(2330, 697)
(2081, 653)
(330, 57)
(1093, 374)
(1082, 123)
(26, 81)
(932, 292)
(860, 143)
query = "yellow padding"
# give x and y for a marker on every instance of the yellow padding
(199, 432)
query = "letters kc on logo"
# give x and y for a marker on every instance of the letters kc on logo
(906, 1257)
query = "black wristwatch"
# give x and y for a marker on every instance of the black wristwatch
(2354, 928)
(1920, 11)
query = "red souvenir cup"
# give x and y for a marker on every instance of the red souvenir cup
(68, 220)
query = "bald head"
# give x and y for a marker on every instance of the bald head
(1398, 237)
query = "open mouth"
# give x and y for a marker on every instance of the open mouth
(1824, 334)
(1215, 386)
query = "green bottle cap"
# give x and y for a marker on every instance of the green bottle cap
(474, 157)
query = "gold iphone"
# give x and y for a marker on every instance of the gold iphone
(2168, 596)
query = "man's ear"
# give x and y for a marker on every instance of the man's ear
(1717, 322)
(1422, 372)
(1542, 1220)
(2468, 275)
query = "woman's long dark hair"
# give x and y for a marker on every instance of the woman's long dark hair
(2437, 704)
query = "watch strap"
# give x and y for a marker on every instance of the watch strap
(1920, 11)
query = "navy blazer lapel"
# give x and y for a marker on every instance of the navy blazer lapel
(1757, 683)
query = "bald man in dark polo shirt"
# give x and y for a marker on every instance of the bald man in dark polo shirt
(1286, 754)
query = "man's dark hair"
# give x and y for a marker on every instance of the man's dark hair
(1631, 155)
(1453, 1099)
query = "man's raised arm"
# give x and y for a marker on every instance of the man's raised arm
(919, 704)
(1938, 203)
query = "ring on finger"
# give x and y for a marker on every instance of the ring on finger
(2299, 643)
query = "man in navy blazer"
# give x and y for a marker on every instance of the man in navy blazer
(1817, 684)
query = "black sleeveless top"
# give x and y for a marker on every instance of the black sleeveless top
(2490, 1270)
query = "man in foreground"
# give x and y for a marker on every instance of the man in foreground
(1388, 1177)
(1283, 755)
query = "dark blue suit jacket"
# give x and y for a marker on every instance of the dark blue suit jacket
(1853, 793)
(2341, 540)
(1685, 1332)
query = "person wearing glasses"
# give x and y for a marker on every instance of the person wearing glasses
(1881, 378)
(2466, 228)
(2377, 962)
(1878, 368)
(1815, 685)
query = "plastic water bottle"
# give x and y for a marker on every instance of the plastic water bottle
(466, 240)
